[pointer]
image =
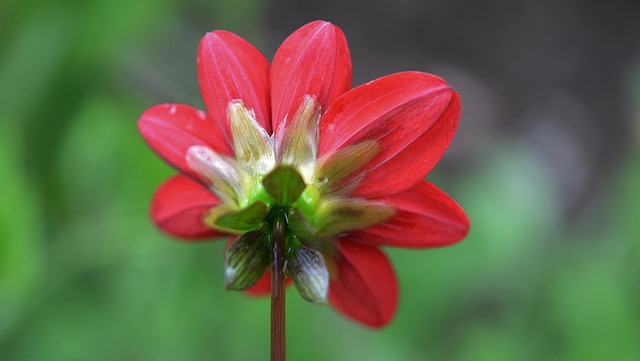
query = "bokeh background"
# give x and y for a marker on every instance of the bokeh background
(546, 162)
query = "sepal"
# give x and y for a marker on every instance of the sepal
(305, 231)
(336, 167)
(339, 215)
(284, 184)
(246, 260)
(309, 272)
(247, 219)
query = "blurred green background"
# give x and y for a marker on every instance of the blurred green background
(546, 163)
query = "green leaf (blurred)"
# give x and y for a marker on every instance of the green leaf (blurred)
(21, 239)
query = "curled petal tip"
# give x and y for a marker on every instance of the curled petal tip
(170, 129)
(179, 206)
(425, 217)
(412, 115)
(366, 289)
(230, 68)
(314, 60)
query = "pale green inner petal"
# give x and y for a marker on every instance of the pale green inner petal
(298, 146)
(336, 167)
(226, 177)
(252, 146)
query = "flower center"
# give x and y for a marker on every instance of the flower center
(280, 176)
(283, 170)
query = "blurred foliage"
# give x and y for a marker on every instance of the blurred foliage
(85, 276)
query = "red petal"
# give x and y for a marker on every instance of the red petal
(426, 217)
(179, 206)
(263, 286)
(366, 288)
(170, 129)
(413, 116)
(230, 68)
(314, 60)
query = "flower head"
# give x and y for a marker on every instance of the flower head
(345, 166)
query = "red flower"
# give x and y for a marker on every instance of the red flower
(348, 165)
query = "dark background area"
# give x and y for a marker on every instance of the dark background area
(546, 162)
(552, 74)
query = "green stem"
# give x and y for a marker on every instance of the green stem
(278, 335)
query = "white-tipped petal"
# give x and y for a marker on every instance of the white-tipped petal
(297, 141)
(252, 145)
(223, 172)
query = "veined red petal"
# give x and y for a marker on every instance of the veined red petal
(315, 61)
(425, 217)
(230, 68)
(178, 208)
(366, 288)
(412, 115)
(170, 129)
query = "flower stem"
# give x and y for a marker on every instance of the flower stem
(278, 334)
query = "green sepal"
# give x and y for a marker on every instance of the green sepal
(340, 215)
(246, 219)
(246, 260)
(284, 184)
(304, 230)
(300, 225)
(309, 272)
(339, 166)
